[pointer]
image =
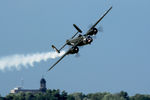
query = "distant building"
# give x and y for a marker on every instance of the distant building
(42, 88)
(43, 85)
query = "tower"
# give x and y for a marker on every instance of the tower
(43, 85)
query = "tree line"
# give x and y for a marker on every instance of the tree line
(57, 95)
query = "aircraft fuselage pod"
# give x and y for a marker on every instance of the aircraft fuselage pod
(80, 40)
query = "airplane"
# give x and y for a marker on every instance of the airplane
(80, 40)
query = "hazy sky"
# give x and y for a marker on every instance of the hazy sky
(118, 59)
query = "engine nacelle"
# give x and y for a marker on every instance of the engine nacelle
(74, 50)
(87, 40)
(93, 31)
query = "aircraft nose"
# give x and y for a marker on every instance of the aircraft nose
(90, 40)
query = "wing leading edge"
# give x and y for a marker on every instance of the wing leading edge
(58, 60)
(99, 19)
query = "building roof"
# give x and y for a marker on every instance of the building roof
(43, 80)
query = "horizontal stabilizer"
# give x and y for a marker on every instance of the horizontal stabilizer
(77, 28)
(55, 49)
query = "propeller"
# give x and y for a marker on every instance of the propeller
(89, 26)
(77, 55)
(100, 29)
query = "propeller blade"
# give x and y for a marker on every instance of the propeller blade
(77, 55)
(100, 29)
(90, 25)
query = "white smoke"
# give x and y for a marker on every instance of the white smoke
(20, 60)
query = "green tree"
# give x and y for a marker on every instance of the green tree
(56, 94)
(70, 97)
(48, 94)
(10, 97)
(29, 96)
(63, 95)
(124, 95)
(40, 96)
(140, 97)
(78, 96)
(96, 96)
(113, 97)
(21, 95)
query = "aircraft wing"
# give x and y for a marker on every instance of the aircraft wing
(59, 60)
(64, 55)
(100, 19)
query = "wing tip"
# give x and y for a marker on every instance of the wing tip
(49, 69)
(110, 8)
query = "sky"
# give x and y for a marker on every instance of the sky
(118, 59)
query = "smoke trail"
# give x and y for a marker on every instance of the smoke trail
(16, 61)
